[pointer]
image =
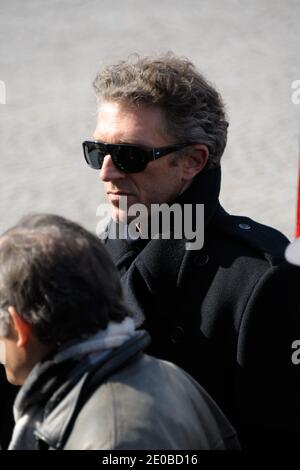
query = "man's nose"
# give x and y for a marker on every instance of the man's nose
(109, 171)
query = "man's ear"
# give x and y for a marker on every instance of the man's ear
(21, 327)
(195, 160)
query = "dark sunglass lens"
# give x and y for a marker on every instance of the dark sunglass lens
(130, 159)
(94, 156)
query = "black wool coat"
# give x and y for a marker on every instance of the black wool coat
(227, 314)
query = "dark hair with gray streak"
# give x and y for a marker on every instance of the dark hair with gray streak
(193, 109)
(60, 279)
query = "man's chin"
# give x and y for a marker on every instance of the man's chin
(121, 217)
(12, 379)
(120, 212)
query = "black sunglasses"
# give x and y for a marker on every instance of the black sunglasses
(127, 158)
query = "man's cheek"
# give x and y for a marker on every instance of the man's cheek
(2, 352)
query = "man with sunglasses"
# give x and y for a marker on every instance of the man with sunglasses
(160, 134)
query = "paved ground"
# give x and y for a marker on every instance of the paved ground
(50, 52)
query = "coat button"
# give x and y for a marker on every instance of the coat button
(201, 259)
(245, 226)
(177, 336)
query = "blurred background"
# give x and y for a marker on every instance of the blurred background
(50, 52)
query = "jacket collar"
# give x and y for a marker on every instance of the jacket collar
(205, 189)
(55, 429)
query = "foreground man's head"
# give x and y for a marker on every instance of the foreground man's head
(57, 284)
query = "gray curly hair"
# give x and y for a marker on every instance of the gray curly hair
(194, 110)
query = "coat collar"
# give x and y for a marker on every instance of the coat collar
(55, 429)
(205, 189)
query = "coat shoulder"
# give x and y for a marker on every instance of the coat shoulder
(264, 240)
